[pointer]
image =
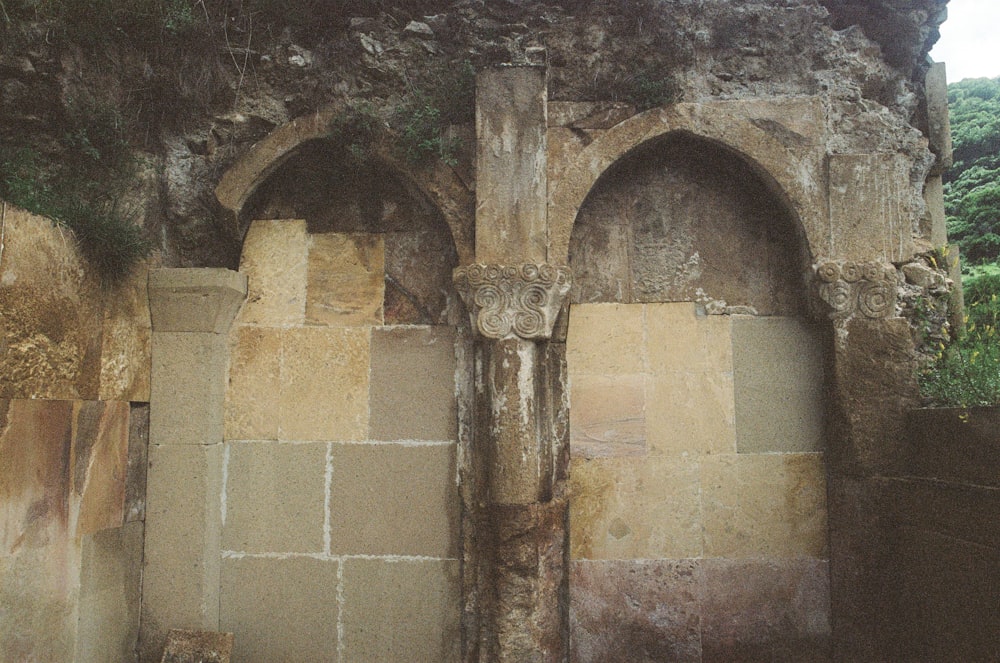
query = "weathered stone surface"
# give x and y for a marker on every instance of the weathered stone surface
(195, 300)
(764, 610)
(780, 386)
(418, 267)
(275, 495)
(138, 461)
(683, 215)
(188, 388)
(388, 499)
(274, 261)
(606, 339)
(346, 279)
(110, 580)
(125, 340)
(513, 300)
(764, 505)
(254, 386)
(868, 219)
(305, 628)
(324, 384)
(412, 392)
(691, 413)
(62, 478)
(180, 580)
(635, 611)
(185, 646)
(510, 164)
(635, 508)
(781, 135)
(938, 124)
(401, 610)
(608, 415)
(960, 445)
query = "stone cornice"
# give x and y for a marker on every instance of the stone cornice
(847, 289)
(507, 301)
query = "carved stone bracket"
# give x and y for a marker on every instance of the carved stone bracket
(506, 301)
(848, 288)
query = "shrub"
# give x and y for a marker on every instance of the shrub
(966, 372)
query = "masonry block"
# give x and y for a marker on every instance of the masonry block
(274, 261)
(389, 499)
(780, 385)
(281, 609)
(606, 339)
(635, 508)
(764, 505)
(346, 279)
(401, 611)
(413, 384)
(254, 385)
(275, 497)
(691, 413)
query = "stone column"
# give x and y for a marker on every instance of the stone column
(520, 509)
(191, 311)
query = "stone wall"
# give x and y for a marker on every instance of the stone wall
(72, 449)
(942, 556)
(340, 523)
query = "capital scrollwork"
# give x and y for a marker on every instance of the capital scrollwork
(506, 301)
(847, 288)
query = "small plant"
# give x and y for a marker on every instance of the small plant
(966, 372)
(445, 96)
(356, 129)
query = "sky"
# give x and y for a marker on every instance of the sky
(970, 40)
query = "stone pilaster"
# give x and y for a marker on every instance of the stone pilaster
(191, 312)
(519, 509)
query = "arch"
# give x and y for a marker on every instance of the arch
(435, 180)
(780, 139)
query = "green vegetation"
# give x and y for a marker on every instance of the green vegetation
(972, 185)
(444, 96)
(82, 190)
(966, 372)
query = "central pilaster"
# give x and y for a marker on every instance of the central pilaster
(516, 513)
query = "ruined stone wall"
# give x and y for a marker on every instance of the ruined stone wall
(72, 449)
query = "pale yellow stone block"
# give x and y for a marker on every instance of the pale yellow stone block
(680, 340)
(764, 505)
(324, 383)
(125, 341)
(691, 413)
(346, 279)
(606, 339)
(275, 494)
(274, 260)
(607, 415)
(254, 384)
(635, 508)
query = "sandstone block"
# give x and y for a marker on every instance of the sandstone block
(126, 337)
(780, 385)
(770, 505)
(346, 279)
(197, 647)
(418, 290)
(180, 584)
(195, 300)
(413, 384)
(624, 611)
(188, 388)
(388, 499)
(765, 610)
(274, 260)
(635, 508)
(280, 609)
(607, 415)
(691, 413)
(324, 384)
(275, 497)
(606, 339)
(254, 385)
(401, 610)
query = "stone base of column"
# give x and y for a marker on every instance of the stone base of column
(523, 578)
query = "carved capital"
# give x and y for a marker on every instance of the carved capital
(505, 301)
(845, 289)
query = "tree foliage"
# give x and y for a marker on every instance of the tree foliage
(972, 185)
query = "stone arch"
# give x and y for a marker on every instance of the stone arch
(777, 138)
(435, 181)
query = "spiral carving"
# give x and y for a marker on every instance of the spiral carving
(846, 288)
(513, 300)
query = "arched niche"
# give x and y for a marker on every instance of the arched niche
(684, 218)
(697, 393)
